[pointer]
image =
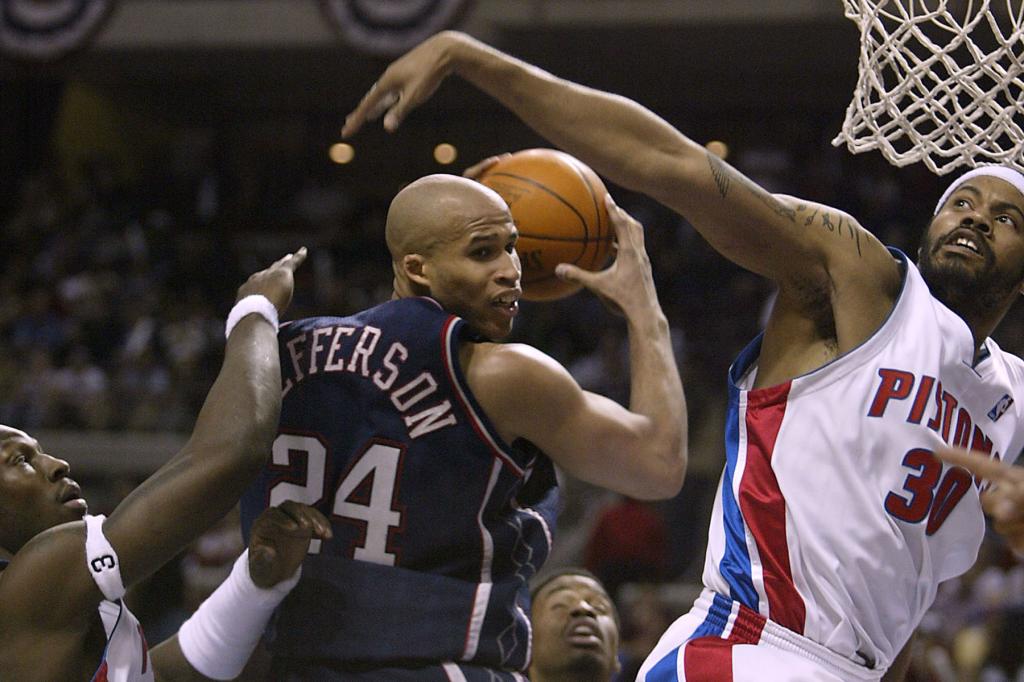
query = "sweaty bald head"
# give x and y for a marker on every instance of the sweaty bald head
(436, 209)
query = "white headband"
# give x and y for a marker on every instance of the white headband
(1010, 175)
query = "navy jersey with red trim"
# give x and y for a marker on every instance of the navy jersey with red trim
(438, 523)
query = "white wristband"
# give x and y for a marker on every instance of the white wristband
(221, 635)
(256, 303)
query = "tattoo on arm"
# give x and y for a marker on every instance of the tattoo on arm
(723, 180)
(719, 173)
(835, 224)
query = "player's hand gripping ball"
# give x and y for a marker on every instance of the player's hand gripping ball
(557, 204)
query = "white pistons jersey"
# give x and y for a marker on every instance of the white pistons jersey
(126, 655)
(833, 519)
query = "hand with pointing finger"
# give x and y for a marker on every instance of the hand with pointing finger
(276, 282)
(404, 85)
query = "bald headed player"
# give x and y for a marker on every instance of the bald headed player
(430, 447)
(834, 523)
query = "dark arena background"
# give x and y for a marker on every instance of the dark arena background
(154, 152)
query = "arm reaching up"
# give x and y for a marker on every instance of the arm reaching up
(640, 451)
(819, 256)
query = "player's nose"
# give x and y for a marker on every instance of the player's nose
(54, 468)
(584, 608)
(510, 269)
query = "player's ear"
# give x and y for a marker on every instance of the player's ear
(414, 267)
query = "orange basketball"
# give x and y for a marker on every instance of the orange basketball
(557, 203)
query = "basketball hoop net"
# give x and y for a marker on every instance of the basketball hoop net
(940, 81)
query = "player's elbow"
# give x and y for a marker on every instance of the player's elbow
(665, 476)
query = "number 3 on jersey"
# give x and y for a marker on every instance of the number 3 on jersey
(366, 493)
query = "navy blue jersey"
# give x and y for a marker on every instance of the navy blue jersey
(438, 523)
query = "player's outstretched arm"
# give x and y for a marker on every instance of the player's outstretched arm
(640, 451)
(635, 148)
(1003, 501)
(221, 636)
(228, 445)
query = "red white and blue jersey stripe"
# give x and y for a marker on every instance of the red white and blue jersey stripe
(438, 523)
(833, 520)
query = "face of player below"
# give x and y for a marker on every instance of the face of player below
(476, 274)
(972, 254)
(36, 492)
(575, 630)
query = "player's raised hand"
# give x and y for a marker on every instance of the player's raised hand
(1003, 501)
(626, 286)
(405, 84)
(276, 282)
(279, 541)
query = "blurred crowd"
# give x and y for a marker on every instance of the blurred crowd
(115, 289)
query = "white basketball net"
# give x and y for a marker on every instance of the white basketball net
(941, 81)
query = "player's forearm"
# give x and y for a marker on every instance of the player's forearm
(239, 417)
(617, 137)
(229, 444)
(170, 664)
(656, 391)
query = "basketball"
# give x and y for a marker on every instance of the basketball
(557, 204)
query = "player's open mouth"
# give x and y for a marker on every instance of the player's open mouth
(583, 633)
(966, 242)
(509, 302)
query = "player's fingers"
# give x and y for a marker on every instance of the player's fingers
(478, 169)
(321, 525)
(353, 122)
(307, 518)
(396, 114)
(295, 511)
(293, 260)
(571, 273)
(383, 102)
(279, 519)
(626, 228)
(978, 464)
(1004, 504)
(361, 114)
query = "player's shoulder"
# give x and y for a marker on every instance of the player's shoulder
(46, 580)
(514, 371)
(509, 360)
